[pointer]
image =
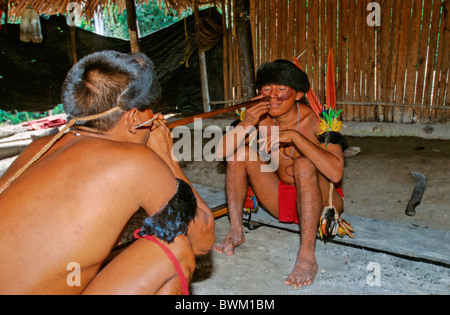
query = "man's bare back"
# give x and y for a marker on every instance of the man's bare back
(46, 241)
(72, 205)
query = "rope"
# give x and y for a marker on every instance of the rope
(330, 196)
(52, 142)
(207, 33)
(188, 52)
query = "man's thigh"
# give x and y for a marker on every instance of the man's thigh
(143, 268)
(264, 184)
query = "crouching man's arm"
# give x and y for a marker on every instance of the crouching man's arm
(201, 230)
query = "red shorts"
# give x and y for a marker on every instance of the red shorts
(287, 202)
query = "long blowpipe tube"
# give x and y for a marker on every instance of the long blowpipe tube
(191, 119)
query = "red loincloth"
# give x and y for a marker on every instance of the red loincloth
(176, 264)
(287, 202)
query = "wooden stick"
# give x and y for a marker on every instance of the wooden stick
(191, 119)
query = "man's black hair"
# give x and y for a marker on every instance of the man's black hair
(282, 72)
(103, 80)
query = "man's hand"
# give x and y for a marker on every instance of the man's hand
(273, 140)
(160, 140)
(254, 113)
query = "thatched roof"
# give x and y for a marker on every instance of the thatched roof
(51, 7)
(32, 75)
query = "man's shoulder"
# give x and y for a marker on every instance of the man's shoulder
(309, 122)
(132, 155)
(306, 110)
(134, 151)
(308, 116)
(137, 159)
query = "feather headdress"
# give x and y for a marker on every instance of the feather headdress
(327, 114)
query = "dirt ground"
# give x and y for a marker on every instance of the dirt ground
(377, 181)
(377, 184)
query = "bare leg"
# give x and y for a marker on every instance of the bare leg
(309, 205)
(236, 190)
(265, 185)
(144, 268)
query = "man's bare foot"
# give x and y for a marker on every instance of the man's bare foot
(229, 243)
(303, 274)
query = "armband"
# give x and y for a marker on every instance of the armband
(172, 220)
(333, 137)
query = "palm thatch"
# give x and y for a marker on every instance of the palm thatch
(88, 7)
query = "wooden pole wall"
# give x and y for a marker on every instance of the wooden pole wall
(394, 72)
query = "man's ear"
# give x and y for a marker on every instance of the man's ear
(132, 119)
(299, 96)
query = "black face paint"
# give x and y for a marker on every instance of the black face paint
(281, 97)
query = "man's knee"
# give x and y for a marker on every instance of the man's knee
(185, 256)
(304, 168)
(243, 154)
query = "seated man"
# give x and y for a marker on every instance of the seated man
(298, 189)
(71, 206)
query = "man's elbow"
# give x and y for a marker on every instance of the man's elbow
(337, 175)
(207, 236)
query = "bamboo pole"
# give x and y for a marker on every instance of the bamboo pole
(325, 34)
(246, 60)
(220, 111)
(203, 70)
(314, 41)
(384, 75)
(403, 52)
(225, 52)
(429, 79)
(423, 50)
(358, 57)
(73, 44)
(396, 16)
(343, 47)
(301, 36)
(348, 115)
(132, 26)
(290, 31)
(370, 94)
(443, 63)
(412, 60)
(273, 30)
(264, 40)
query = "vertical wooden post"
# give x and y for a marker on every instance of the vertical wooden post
(225, 53)
(132, 26)
(203, 70)
(73, 44)
(4, 5)
(246, 61)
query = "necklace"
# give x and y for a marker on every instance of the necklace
(298, 123)
(76, 132)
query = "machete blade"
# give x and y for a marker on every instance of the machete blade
(419, 189)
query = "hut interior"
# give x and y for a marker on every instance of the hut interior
(391, 60)
(391, 68)
(32, 74)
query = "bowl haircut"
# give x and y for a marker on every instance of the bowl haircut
(103, 80)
